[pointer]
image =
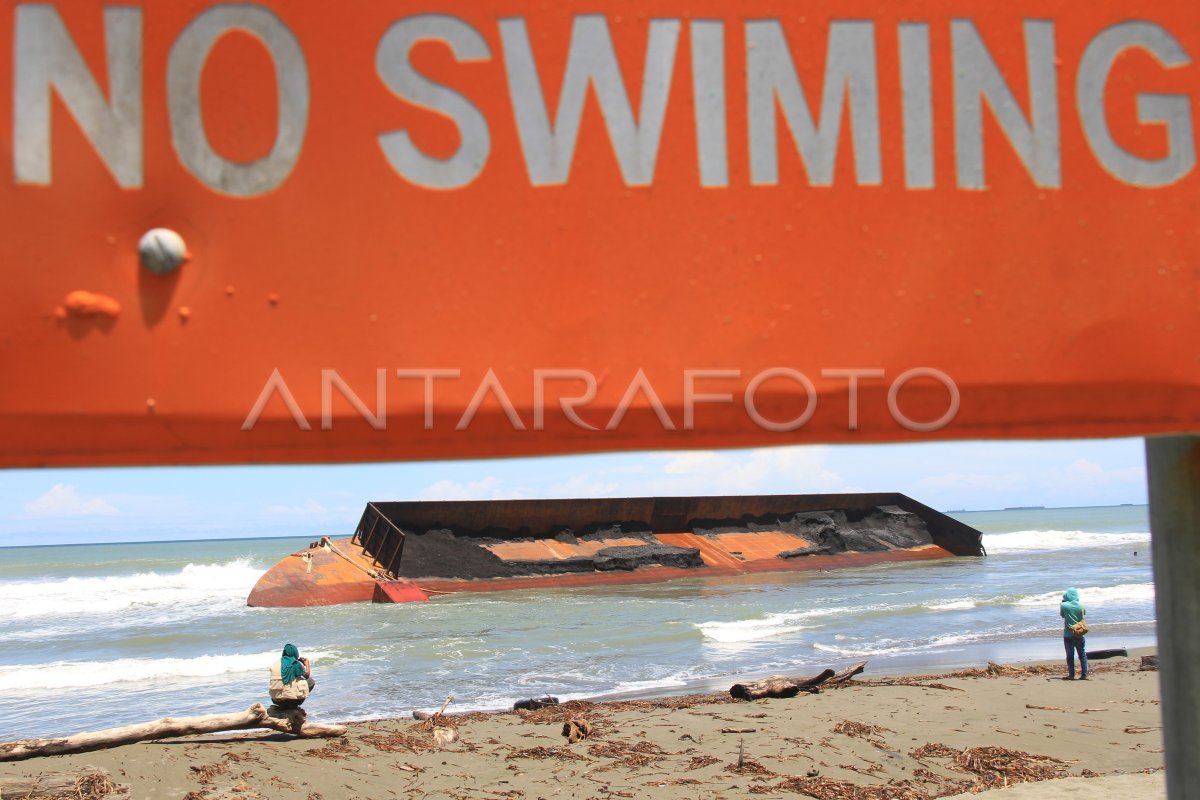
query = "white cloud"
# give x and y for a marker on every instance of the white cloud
(62, 500)
(958, 481)
(800, 467)
(307, 508)
(489, 488)
(583, 485)
(1082, 471)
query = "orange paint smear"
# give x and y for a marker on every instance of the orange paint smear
(88, 304)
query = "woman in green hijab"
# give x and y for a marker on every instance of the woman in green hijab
(291, 678)
(292, 666)
(1072, 612)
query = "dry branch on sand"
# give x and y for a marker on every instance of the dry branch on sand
(996, 766)
(85, 783)
(443, 730)
(560, 753)
(828, 789)
(862, 730)
(291, 721)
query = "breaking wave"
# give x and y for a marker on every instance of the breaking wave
(82, 674)
(1040, 541)
(73, 597)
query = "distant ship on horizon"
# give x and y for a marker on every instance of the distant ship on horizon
(1022, 508)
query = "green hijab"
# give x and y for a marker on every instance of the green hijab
(290, 666)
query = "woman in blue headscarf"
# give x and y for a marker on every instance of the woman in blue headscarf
(1072, 612)
(291, 678)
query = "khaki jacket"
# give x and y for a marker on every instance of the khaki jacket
(296, 690)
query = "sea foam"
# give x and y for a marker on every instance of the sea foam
(82, 674)
(1094, 595)
(106, 595)
(769, 626)
(1040, 541)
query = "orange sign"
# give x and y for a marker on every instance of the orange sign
(280, 232)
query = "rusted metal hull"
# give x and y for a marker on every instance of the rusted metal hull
(329, 573)
(662, 574)
(402, 552)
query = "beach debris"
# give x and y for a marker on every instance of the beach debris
(747, 766)
(445, 735)
(739, 730)
(781, 686)
(1149, 664)
(664, 703)
(444, 731)
(576, 728)
(863, 730)
(778, 686)
(921, 681)
(560, 713)
(1045, 708)
(828, 789)
(994, 670)
(257, 716)
(561, 753)
(334, 751)
(1141, 728)
(699, 762)
(84, 783)
(534, 703)
(206, 772)
(1100, 655)
(397, 742)
(996, 766)
(676, 782)
(845, 675)
(629, 755)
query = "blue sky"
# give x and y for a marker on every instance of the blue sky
(63, 506)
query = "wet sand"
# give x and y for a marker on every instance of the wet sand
(911, 737)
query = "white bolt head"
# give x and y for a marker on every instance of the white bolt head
(161, 250)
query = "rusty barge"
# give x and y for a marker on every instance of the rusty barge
(408, 551)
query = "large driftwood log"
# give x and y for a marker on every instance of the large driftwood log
(1097, 655)
(257, 716)
(89, 783)
(778, 686)
(848, 673)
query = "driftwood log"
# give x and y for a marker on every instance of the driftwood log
(290, 720)
(1097, 655)
(780, 686)
(1149, 664)
(534, 703)
(87, 783)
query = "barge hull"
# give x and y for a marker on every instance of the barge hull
(402, 552)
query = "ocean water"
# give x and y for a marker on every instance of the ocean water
(93, 636)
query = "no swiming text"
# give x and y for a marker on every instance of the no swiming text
(47, 59)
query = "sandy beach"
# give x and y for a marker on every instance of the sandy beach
(890, 737)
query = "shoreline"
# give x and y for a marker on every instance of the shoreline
(881, 735)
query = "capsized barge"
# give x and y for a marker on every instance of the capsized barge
(407, 551)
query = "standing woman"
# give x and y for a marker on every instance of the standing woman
(1072, 612)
